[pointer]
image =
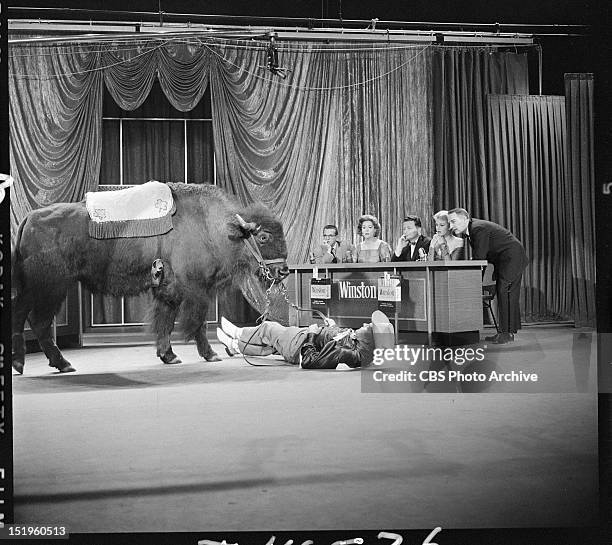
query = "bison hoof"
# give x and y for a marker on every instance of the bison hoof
(212, 356)
(18, 366)
(63, 367)
(171, 360)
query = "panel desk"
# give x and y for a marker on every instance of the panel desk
(441, 302)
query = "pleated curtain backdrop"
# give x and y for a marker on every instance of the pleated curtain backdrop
(387, 130)
(527, 162)
(55, 118)
(182, 69)
(347, 133)
(462, 80)
(56, 108)
(580, 194)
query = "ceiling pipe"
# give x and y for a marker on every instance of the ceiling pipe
(137, 17)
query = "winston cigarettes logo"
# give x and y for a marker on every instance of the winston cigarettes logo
(361, 291)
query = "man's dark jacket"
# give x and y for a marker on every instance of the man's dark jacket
(499, 246)
(422, 242)
(321, 351)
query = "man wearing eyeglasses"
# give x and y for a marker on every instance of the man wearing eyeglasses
(332, 250)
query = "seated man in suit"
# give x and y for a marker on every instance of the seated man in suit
(332, 250)
(500, 247)
(313, 347)
(412, 245)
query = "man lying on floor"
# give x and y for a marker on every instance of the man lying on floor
(313, 347)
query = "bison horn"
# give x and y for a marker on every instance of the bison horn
(249, 227)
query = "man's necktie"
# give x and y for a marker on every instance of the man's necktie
(468, 247)
(332, 251)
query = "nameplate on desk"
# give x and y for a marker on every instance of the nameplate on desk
(390, 289)
(389, 294)
(320, 294)
(320, 289)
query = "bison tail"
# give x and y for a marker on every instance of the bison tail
(16, 262)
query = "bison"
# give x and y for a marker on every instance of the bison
(203, 251)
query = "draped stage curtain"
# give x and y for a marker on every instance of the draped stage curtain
(56, 96)
(373, 129)
(580, 194)
(55, 118)
(181, 67)
(347, 133)
(527, 161)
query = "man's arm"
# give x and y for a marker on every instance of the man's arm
(403, 254)
(480, 238)
(322, 255)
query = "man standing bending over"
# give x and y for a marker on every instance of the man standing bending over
(500, 247)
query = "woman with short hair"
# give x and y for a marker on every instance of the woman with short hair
(372, 249)
(444, 245)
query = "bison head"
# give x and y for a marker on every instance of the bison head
(258, 224)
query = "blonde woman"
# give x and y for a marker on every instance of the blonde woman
(444, 245)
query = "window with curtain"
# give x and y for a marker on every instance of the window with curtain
(153, 142)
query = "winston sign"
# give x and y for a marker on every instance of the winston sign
(389, 293)
(357, 297)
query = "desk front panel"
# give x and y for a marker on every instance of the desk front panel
(456, 301)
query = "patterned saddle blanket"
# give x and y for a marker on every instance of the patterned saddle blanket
(139, 211)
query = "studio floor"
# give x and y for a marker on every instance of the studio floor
(127, 444)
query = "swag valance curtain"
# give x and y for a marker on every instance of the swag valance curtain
(56, 94)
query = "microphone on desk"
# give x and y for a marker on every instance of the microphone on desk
(422, 254)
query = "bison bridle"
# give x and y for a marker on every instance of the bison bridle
(264, 264)
(251, 229)
(264, 267)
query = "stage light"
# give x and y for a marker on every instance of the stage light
(272, 63)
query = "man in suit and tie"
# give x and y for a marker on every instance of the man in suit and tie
(332, 250)
(412, 245)
(500, 247)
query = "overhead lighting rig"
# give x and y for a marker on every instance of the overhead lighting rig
(272, 64)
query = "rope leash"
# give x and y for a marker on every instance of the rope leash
(282, 289)
(264, 271)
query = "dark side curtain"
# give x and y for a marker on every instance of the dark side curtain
(462, 79)
(580, 194)
(527, 194)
